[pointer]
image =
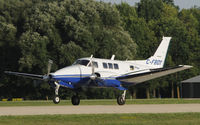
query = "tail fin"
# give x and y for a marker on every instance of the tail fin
(158, 59)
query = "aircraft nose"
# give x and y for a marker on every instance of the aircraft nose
(70, 70)
(69, 74)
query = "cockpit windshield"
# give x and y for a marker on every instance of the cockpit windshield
(82, 62)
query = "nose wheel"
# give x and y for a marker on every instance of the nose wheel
(56, 99)
(75, 100)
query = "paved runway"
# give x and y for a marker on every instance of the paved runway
(99, 109)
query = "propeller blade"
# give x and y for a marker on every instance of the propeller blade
(92, 65)
(93, 75)
(50, 62)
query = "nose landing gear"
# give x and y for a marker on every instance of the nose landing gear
(56, 98)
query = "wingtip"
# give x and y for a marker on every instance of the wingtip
(186, 66)
(6, 71)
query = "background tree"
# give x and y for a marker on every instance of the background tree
(33, 31)
(59, 30)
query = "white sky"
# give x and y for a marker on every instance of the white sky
(187, 3)
(181, 3)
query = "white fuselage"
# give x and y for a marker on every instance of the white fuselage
(106, 68)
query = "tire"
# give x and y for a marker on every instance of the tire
(120, 100)
(56, 99)
(75, 100)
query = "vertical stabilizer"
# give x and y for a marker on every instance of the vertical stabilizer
(158, 59)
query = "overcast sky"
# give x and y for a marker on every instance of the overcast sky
(181, 3)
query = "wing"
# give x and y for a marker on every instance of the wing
(32, 76)
(154, 73)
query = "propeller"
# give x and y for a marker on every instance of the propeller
(93, 76)
(50, 62)
(47, 76)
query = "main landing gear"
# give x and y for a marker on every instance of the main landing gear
(75, 99)
(121, 99)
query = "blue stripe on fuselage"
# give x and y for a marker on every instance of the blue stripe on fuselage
(71, 78)
(76, 79)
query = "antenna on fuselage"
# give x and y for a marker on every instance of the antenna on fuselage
(113, 57)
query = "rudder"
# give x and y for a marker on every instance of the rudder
(158, 59)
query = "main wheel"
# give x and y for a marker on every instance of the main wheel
(56, 99)
(75, 100)
(120, 100)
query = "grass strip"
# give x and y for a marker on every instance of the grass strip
(106, 119)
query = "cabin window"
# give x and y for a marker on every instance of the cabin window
(116, 66)
(105, 65)
(131, 67)
(110, 65)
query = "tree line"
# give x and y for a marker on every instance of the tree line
(33, 31)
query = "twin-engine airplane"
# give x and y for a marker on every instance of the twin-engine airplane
(95, 72)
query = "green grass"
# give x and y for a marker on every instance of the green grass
(101, 102)
(106, 119)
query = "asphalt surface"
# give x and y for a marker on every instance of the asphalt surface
(99, 109)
